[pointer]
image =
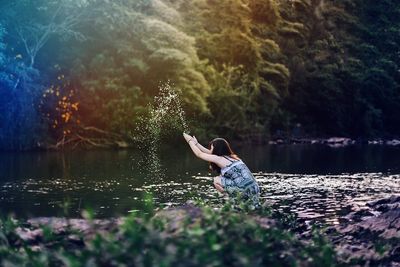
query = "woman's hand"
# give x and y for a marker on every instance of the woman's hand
(202, 152)
(187, 137)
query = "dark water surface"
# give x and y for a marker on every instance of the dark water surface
(312, 181)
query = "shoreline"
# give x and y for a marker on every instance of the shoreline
(334, 142)
(367, 236)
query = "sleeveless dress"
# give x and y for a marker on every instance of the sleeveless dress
(237, 180)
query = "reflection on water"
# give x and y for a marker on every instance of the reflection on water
(325, 197)
(311, 181)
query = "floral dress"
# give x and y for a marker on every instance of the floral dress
(237, 180)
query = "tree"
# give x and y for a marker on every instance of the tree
(343, 66)
(18, 117)
(244, 68)
(35, 23)
(131, 49)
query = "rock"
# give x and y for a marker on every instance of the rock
(359, 215)
(390, 200)
(177, 216)
(29, 235)
(372, 235)
(390, 233)
(393, 142)
(280, 141)
(308, 215)
(384, 222)
(378, 225)
(375, 142)
(339, 141)
(356, 252)
(396, 223)
(334, 141)
(60, 225)
(264, 222)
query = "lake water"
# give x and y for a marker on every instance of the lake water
(309, 180)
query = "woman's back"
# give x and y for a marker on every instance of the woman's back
(237, 178)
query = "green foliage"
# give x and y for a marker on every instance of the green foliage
(140, 46)
(243, 68)
(234, 103)
(266, 12)
(342, 73)
(245, 86)
(223, 237)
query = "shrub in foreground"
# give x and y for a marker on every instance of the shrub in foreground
(222, 237)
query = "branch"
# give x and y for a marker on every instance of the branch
(107, 139)
(38, 35)
(28, 50)
(91, 128)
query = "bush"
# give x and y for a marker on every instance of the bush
(213, 237)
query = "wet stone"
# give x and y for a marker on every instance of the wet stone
(368, 229)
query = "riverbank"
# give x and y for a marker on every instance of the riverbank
(371, 236)
(334, 141)
(132, 143)
(367, 236)
(198, 235)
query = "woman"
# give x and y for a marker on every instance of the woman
(235, 178)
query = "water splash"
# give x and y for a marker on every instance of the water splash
(168, 106)
(166, 111)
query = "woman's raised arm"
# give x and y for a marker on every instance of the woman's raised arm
(202, 148)
(200, 154)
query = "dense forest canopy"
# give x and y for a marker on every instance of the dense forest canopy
(82, 69)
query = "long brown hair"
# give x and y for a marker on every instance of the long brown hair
(221, 148)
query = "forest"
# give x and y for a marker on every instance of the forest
(83, 72)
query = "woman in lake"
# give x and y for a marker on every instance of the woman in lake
(235, 177)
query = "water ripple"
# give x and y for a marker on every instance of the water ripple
(321, 197)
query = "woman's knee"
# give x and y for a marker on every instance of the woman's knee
(218, 183)
(217, 180)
